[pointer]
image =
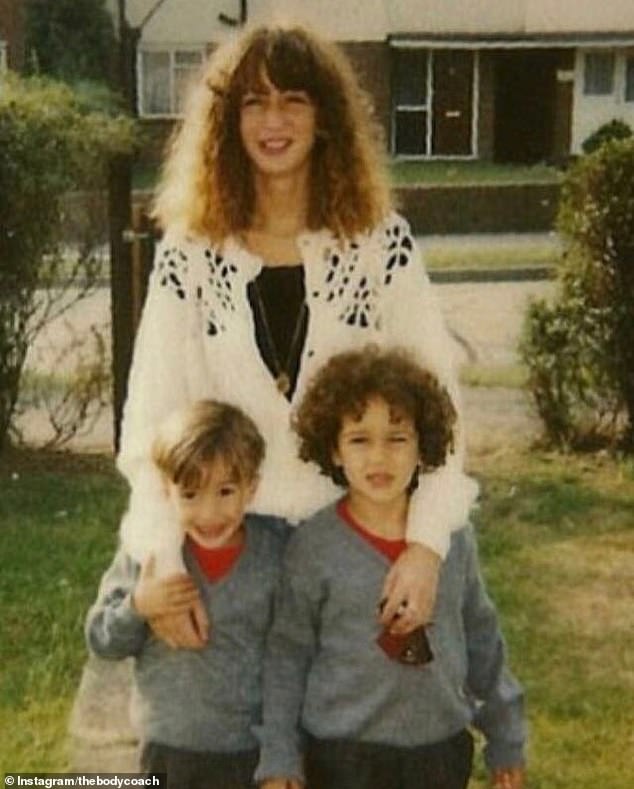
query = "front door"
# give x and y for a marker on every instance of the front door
(452, 102)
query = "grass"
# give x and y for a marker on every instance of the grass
(435, 172)
(510, 376)
(456, 172)
(557, 544)
(556, 540)
(482, 254)
(57, 528)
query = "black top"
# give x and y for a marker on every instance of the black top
(282, 295)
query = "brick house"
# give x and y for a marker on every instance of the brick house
(11, 34)
(508, 80)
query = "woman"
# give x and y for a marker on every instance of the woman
(280, 249)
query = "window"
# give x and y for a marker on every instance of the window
(163, 79)
(411, 103)
(629, 78)
(3, 56)
(598, 76)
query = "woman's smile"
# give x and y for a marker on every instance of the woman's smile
(277, 128)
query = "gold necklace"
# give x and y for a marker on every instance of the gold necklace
(282, 377)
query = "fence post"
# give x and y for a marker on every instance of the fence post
(119, 214)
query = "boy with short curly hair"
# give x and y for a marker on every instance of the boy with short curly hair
(345, 705)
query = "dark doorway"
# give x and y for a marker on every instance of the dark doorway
(452, 102)
(525, 105)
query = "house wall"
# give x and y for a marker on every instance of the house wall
(450, 16)
(339, 20)
(591, 112)
(555, 16)
(184, 22)
(196, 21)
(373, 20)
(12, 31)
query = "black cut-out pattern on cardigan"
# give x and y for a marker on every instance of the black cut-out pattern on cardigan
(351, 290)
(220, 273)
(399, 248)
(172, 268)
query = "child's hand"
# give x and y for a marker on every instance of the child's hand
(281, 783)
(155, 597)
(508, 778)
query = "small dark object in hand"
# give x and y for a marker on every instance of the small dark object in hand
(412, 649)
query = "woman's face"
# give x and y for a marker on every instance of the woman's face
(278, 130)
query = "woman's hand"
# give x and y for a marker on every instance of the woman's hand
(508, 778)
(188, 630)
(171, 595)
(281, 783)
(409, 591)
(172, 607)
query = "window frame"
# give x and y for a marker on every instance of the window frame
(173, 68)
(586, 88)
(425, 108)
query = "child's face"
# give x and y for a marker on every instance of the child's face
(378, 453)
(212, 513)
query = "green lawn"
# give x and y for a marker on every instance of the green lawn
(57, 528)
(459, 172)
(496, 253)
(557, 542)
(435, 172)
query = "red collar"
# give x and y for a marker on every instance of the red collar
(391, 549)
(215, 562)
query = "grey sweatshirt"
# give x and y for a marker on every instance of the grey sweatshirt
(209, 699)
(324, 672)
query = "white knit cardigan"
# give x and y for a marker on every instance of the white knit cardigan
(197, 340)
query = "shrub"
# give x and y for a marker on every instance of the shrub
(580, 349)
(614, 130)
(50, 143)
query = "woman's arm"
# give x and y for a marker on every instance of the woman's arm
(114, 629)
(157, 385)
(411, 318)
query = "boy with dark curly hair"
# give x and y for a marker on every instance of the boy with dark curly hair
(347, 706)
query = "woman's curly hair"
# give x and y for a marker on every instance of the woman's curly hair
(345, 384)
(206, 186)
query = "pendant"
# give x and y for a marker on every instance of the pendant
(283, 383)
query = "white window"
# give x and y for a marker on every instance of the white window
(164, 76)
(598, 74)
(629, 78)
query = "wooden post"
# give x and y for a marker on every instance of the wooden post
(120, 217)
(119, 200)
